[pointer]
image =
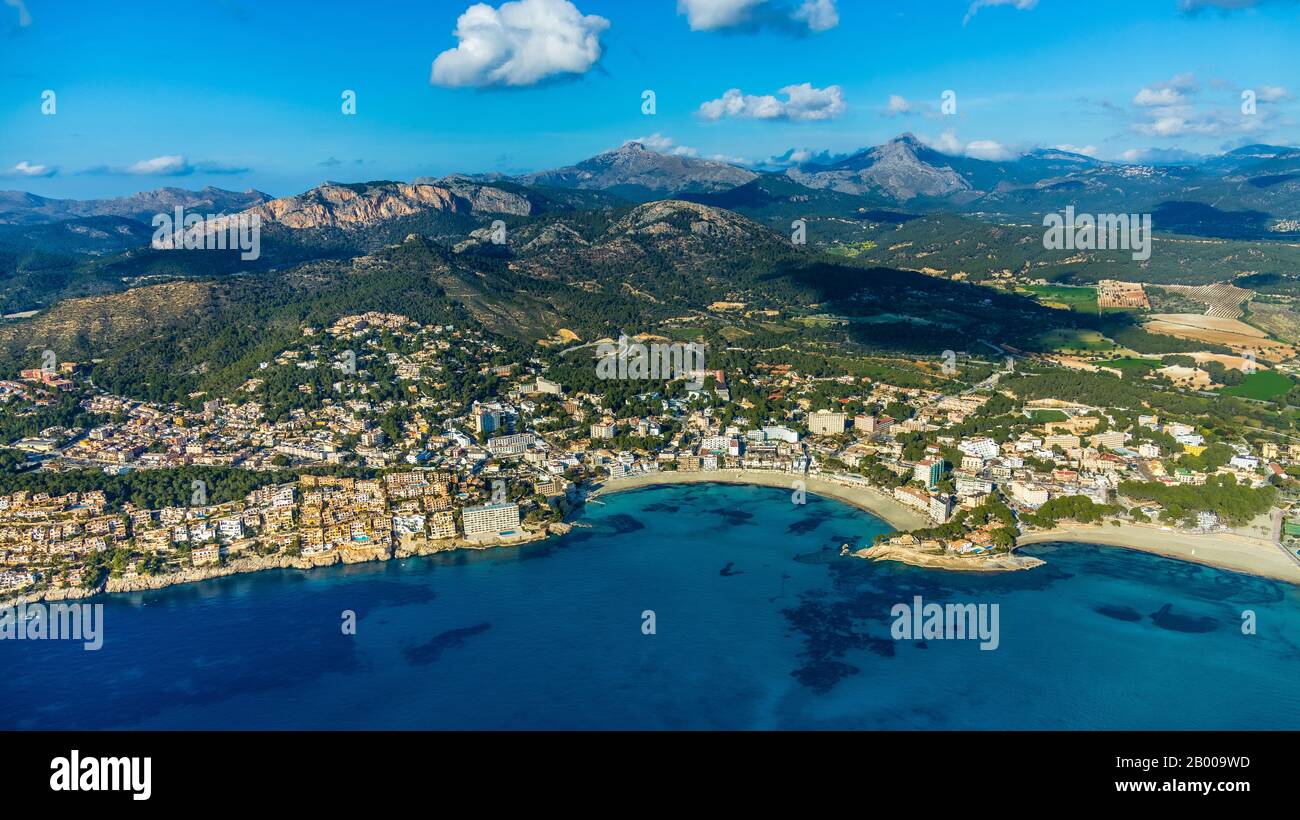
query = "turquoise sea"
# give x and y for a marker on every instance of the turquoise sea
(759, 624)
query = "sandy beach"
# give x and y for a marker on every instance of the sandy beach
(1247, 553)
(875, 502)
(1252, 556)
(1240, 553)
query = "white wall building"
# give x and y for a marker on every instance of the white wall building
(490, 519)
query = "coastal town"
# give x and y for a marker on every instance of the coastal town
(361, 443)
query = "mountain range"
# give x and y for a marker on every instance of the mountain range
(562, 277)
(629, 238)
(638, 173)
(18, 207)
(1246, 190)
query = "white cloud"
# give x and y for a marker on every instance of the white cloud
(988, 149)
(818, 15)
(945, 143)
(1272, 93)
(1023, 5)
(1159, 156)
(1149, 97)
(948, 143)
(714, 15)
(730, 160)
(1176, 91)
(1180, 121)
(26, 169)
(799, 156)
(665, 145)
(898, 106)
(655, 142)
(803, 103)
(710, 15)
(808, 103)
(1172, 109)
(1086, 150)
(737, 104)
(1171, 123)
(172, 165)
(519, 44)
(168, 166)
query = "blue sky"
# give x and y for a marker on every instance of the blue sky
(242, 95)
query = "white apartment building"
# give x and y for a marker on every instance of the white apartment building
(940, 508)
(715, 444)
(510, 445)
(1028, 494)
(968, 486)
(984, 448)
(826, 424)
(490, 519)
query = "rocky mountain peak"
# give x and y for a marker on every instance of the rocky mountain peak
(634, 166)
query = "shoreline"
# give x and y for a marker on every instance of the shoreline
(248, 564)
(1007, 562)
(1226, 551)
(872, 501)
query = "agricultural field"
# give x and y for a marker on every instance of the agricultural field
(1231, 362)
(1222, 299)
(732, 333)
(1277, 320)
(1264, 385)
(1064, 297)
(1232, 333)
(852, 250)
(1190, 378)
(1046, 416)
(1075, 340)
(1168, 301)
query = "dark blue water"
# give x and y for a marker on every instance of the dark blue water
(759, 625)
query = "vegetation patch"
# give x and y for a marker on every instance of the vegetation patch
(1067, 297)
(852, 250)
(1264, 385)
(1130, 366)
(1075, 340)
